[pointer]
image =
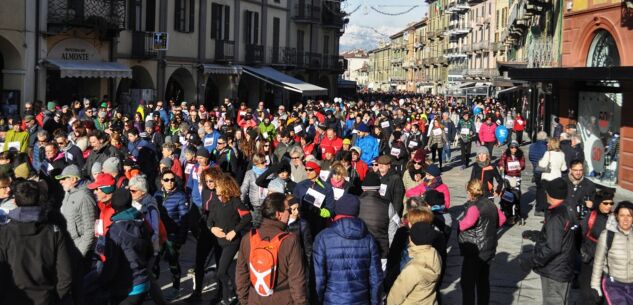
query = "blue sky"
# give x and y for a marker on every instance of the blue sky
(367, 27)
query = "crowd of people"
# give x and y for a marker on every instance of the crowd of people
(327, 202)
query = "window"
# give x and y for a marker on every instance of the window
(184, 15)
(220, 21)
(251, 27)
(135, 13)
(300, 40)
(326, 44)
(276, 31)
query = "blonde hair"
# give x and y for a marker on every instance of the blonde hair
(553, 144)
(226, 187)
(420, 214)
(337, 168)
(259, 158)
(474, 188)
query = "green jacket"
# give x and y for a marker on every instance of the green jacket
(462, 126)
(21, 137)
(268, 130)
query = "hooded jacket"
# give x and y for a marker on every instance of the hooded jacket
(347, 265)
(35, 265)
(416, 283)
(374, 211)
(369, 148)
(80, 211)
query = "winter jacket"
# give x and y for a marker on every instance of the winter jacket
(176, 207)
(35, 265)
(478, 229)
(369, 148)
(210, 140)
(347, 265)
(252, 194)
(420, 189)
(438, 137)
(135, 148)
(283, 150)
(229, 216)
(487, 133)
(20, 137)
(361, 168)
(449, 129)
(537, 150)
(335, 143)
(395, 190)
(556, 162)
(80, 212)
(226, 160)
(577, 194)
(193, 186)
(106, 151)
(487, 175)
(268, 132)
(507, 160)
(519, 124)
(290, 285)
(127, 251)
(617, 262)
(308, 210)
(555, 251)
(417, 281)
(374, 211)
(73, 155)
(591, 234)
(466, 130)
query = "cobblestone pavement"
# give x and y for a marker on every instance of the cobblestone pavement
(509, 284)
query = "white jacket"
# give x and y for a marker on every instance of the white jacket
(556, 161)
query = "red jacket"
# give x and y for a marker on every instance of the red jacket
(507, 161)
(361, 168)
(335, 143)
(518, 126)
(487, 133)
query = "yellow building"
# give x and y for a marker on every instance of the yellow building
(379, 68)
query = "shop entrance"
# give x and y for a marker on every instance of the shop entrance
(65, 90)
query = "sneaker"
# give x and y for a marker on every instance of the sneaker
(173, 294)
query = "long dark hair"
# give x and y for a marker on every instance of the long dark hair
(518, 154)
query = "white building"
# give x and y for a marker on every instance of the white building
(357, 66)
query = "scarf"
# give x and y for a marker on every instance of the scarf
(337, 184)
(258, 171)
(433, 184)
(574, 181)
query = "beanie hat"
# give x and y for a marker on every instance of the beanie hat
(314, 166)
(557, 189)
(481, 150)
(22, 171)
(203, 152)
(347, 142)
(348, 205)
(168, 162)
(111, 166)
(284, 167)
(362, 127)
(433, 170)
(139, 183)
(371, 182)
(419, 155)
(357, 149)
(96, 168)
(121, 200)
(422, 234)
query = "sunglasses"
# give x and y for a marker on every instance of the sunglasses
(169, 180)
(309, 169)
(374, 164)
(295, 158)
(134, 191)
(608, 202)
(221, 143)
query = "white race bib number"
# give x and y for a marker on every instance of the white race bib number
(324, 175)
(465, 131)
(395, 152)
(14, 144)
(383, 190)
(384, 124)
(514, 166)
(318, 197)
(520, 122)
(338, 193)
(298, 128)
(265, 135)
(413, 144)
(99, 228)
(208, 141)
(188, 168)
(437, 131)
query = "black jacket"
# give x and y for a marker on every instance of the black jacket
(554, 251)
(576, 195)
(591, 234)
(229, 216)
(490, 174)
(35, 265)
(395, 190)
(374, 211)
(106, 151)
(226, 160)
(481, 239)
(571, 153)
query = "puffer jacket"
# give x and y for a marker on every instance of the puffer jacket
(555, 250)
(80, 212)
(487, 133)
(478, 229)
(310, 212)
(416, 283)
(395, 190)
(106, 151)
(252, 193)
(369, 148)
(438, 139)
(617, 262)
(537, 150)
(347, 265)
(374, 211)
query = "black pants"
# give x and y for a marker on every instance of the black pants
(519, 136)
(541, 196)
(584, 281)
(437, 150)
(490, 146)
(226, 277)
(465, 148)
(475, 277)
(205, 245)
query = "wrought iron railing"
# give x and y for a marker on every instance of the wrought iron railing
(224, 50)
(254, 54)
(105, 14)
(306, 13)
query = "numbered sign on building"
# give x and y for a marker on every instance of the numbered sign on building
(160, 41)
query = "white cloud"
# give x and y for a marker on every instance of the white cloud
(367, 38)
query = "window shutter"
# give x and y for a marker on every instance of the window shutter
(227, 21)
(192, 15)
(150, 16)
(215, 20)
(247, 27)
(131, 15)
(177, 15)
(256, 30)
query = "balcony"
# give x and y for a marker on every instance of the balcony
(491, 73)
(312, 60)
(282, 56)
(426, 62)
(518, 21)
(143, 45)
(396, 61)
(333, 19)
(306, 13)
(100, 14)
(481, 46)
(467, 48)
(224, 50)
(254, 54)
(498, 47)
(474, 2)
(475, 73)
(457, 70)
(454, 53)
(458, 7)
(456, 31)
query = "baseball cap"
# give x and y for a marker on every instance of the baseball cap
(102, 180)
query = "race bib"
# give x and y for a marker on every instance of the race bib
(188, 168)
(265, 135)
(262, 193)
(395, 152)
(509, 122)
(298, 128)
(137, 205)
(464, 131)
(354, 131)
(318, 197)
(383, 190)
(338, 192)
(437, 131)
(514, 166)
(69, 157)
(49, 167)
(324, 175)
(413, 144)
(446, 129)
(14, 144)
(208, 141)
(384, 124)
(520, 122)
(99, 228)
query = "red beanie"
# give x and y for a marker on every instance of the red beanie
(314, 166)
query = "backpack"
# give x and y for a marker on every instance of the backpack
(263, 261)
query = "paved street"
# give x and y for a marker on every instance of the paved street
(509, 284)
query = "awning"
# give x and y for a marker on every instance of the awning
(221, 69)
(276, 78)
(508, 90)
(344, 83)
(95, 69)
(572, 74)
(466, 85)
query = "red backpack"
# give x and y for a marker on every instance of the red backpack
(263, 262)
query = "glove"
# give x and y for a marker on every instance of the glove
(325, 213)
(596, 296)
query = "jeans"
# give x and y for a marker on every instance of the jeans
(446, 152)
(475, 277)
(555, 292)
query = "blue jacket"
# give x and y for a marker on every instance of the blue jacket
(192, 186)
(134, 148)
(537, 150)
(369, 148)
(349, 127)
(210, 140)
(175, 204)
(347, 264)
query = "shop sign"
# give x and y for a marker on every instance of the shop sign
(161, 40)
(74, 49)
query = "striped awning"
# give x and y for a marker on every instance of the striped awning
(221, 69)
(89, 69)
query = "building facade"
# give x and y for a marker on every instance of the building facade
(380, 68)
(357, 66)
(197, 51)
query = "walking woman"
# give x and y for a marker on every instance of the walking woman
(478, 244)
(437, 139)
(228, 221)
(612, 276)
(551, 167)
